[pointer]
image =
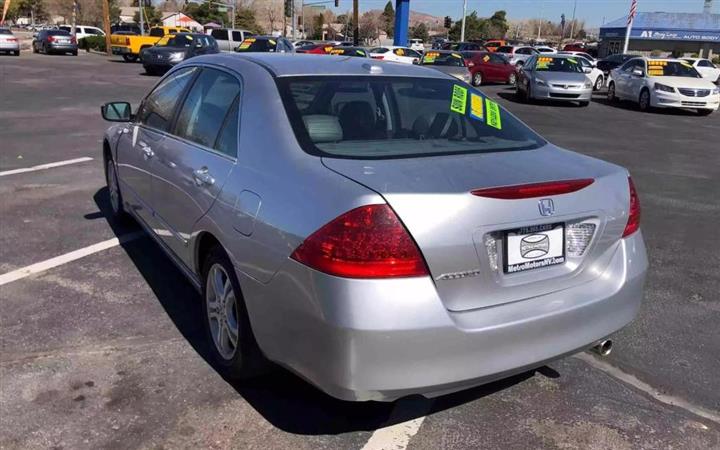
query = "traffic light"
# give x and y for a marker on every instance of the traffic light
(288, 8)
(448, 22)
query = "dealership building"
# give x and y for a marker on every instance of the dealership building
(676, 33)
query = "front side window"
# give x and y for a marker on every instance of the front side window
(157, 32)
(257, 45)
(236, 35)
(158, 108)
(397, 117)
(222, 35)
(206, 107)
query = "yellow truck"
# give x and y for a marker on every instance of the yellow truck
(129, 46)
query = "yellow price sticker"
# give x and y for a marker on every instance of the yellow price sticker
(459, 99)
(337, 51)
(400, 52)
(272, 42)
(456, 55)
(476, 107)
(493, 114)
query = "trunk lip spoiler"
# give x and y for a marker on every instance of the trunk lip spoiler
(534, 190)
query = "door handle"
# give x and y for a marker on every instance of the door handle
(202, 177)
(146, 150)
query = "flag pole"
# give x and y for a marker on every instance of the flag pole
(627, 35)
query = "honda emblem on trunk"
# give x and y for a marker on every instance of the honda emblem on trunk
(546, 207)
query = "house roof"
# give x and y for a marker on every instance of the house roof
(670, 21)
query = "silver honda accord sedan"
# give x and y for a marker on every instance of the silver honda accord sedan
(379, 229)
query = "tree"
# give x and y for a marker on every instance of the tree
(419, 31)
(369, 26)
(388, 17)
(497, 25)
(318, 24)
(152, 16)
(33, 8)
(205, 12)
(479, 28)
(245, 18)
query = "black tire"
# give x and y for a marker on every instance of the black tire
(246, 359)
(150, 70)
(644, 101)
(704, 112)
(16, 53)
(75, 53)
(34, 48)
(599, 83)
(584, 104)
(117, 210)
(130, 58)
(512, 79)
(611, 93)
(477, 79)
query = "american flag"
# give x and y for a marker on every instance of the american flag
(633, 12)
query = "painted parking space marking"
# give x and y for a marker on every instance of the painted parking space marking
(42, 266)
(397, 437)
(45, 166)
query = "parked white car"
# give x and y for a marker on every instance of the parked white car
(82, 31)
(516, 55)
(596, 75)
(583, 54)
(706, 68)
(543, 49)
(663, 83)
(417, 44)
(396, 54)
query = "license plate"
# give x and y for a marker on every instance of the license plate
(534, 247)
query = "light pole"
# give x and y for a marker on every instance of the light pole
(462, 31)
(572, 26)
(540, 21)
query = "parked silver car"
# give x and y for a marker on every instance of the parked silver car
(379, 229)
(448, 62)
(555, 77)
(8, 42)
(54, 41)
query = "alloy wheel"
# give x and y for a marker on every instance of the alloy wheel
(477, 79)
(611, 92)
(599, 83)
(512, 79)
(222, 312)
(644, 100)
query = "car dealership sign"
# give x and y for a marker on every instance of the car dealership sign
(663, 35)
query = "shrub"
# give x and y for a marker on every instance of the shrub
(92, 43)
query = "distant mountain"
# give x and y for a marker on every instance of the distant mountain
(417, 17)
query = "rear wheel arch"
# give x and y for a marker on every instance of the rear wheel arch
(107, 154)
(206, 242)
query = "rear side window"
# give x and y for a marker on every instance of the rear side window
(157, 32)
(227, 142)
(207, 105)
(221, 35)
(705, 63)
(505, 49)
(236, 36)
(158, 108)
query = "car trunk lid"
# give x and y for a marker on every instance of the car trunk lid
(463, 236)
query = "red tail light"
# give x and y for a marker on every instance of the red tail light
(378, 57)
(73, 40)
(633, 223)
(366, 242)
(51, 39)
(127, 41)
(533, 190)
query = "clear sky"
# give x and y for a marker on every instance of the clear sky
(592, 11)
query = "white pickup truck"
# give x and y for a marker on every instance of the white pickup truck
(228, 39)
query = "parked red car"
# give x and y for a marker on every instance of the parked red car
(488, 67)
(316, 49)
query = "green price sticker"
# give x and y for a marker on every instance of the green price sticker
(493, 114)
(459, 99)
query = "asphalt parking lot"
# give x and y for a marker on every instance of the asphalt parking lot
(103, 348)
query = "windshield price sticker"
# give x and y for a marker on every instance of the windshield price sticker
(486, 58)
(430, 57)
(657, 63)
(400, 52)
(493, 114)
(543, 62)
(247, 43)
(456, 55)
(337, 51)
(476, 107)
(459, 99)
(572, 60)
(272, 42)
(361, 52)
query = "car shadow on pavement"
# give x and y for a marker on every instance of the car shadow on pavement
(282, 398)
(630, 106)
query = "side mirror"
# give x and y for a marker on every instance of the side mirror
(116, 112)
(587, 70)
(638, 73)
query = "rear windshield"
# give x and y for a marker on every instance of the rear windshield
(397, 117)
(443, 59)
(550, 64)
(4, 31)
(671, 69)
(349, 51)
(58, 33)
(176, 41)
(257, 45)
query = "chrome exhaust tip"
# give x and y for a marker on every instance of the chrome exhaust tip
(603, 348)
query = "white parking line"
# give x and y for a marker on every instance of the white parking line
(397, 437)
(45, 166)
(66, 258)
(644, 387)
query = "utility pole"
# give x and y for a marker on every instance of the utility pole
(540, 21)
(141, 3)
(356, 23)
(294, 29)
(106, 26)
(462, 30)
(572, 26)
(74, 18)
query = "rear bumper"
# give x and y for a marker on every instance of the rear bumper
(661, 99)
(63, 47)
(121, 50)
(382, 340)
(9, 46)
